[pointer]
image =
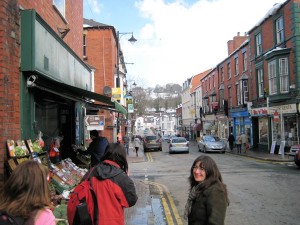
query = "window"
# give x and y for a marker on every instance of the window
(229, 98)
(84, 45)
(209, 83)
(221, 100)
(272, 77)
(236, 61)
(222, 74)
(279, 30)
(244, 61)
(228, 71)
(260, 82)
(283, 74)
(244, 91)
(213, 80)
(258, 44)
(60, 6)
(238, 95)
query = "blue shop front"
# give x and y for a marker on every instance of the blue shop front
(240, 120)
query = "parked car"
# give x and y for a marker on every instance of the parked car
(179, 144)
(151, 142)
(210, 143)
(165, 138)
(295, 152)
(171, 137)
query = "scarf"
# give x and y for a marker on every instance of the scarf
(192, 195)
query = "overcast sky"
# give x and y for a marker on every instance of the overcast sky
(176, 38)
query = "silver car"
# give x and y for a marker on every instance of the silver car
(179, 144)
(210, 143)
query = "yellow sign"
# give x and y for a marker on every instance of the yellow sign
(116, 93)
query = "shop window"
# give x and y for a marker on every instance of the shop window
(263, 130)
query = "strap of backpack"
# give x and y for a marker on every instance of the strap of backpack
(95, 202)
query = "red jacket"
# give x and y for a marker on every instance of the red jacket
(114, 190)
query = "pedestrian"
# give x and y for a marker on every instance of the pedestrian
(96, 148)
(245, 144)
(26, 194)
(208, 198)
(231, 140)
(114, 189)
(126, 143)
(239, 144)
(137, 143)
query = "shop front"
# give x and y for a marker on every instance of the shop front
(56, 89)
(275, 125)
(241, 123)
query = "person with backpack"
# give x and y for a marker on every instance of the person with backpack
(108, 190)
(96, 148)
(25, 196)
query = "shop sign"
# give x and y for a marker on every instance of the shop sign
(289, 108)
(259, 111)
(276, 117)
(116, 93)
(130, 108)
(94, 122)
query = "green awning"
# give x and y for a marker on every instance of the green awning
(76, 93)
(120, 108)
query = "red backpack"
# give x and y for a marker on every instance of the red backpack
(82, 208)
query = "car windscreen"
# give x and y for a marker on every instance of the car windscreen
(211, 138)
(178, 140)
(151, 138)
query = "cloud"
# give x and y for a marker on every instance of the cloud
(181, 40)
(95, 6)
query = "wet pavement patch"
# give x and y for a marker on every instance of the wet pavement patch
(158, 211)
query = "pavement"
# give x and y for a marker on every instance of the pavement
(142, 213)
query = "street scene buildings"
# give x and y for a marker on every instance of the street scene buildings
(254, 91)
(63, 75)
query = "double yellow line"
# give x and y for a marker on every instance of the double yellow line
(171, 212)
(149, 157)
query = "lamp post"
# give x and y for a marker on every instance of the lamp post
(131, 40)
(130, 107)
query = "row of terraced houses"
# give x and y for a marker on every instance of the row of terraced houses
(255, 90)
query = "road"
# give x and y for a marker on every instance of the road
(260, 192)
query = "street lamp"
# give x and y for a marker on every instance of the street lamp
(131, 40)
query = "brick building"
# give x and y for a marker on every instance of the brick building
(44, 83)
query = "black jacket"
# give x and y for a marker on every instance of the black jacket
(209, 208)
(96, 149)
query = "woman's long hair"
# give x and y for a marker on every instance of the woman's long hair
(26, 190)
(116, 152)
(213, 175)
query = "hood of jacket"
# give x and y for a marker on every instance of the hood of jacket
(106, 170)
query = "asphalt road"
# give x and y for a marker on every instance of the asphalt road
(260, 192)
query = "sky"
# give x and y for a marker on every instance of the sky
(177, 39)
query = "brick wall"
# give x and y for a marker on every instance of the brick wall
(101, 54)
(10, 58)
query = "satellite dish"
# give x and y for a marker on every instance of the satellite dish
(107, 90)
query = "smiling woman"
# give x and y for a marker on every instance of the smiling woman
(208, 198)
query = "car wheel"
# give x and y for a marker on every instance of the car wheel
(297, 163)
(223, 152)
